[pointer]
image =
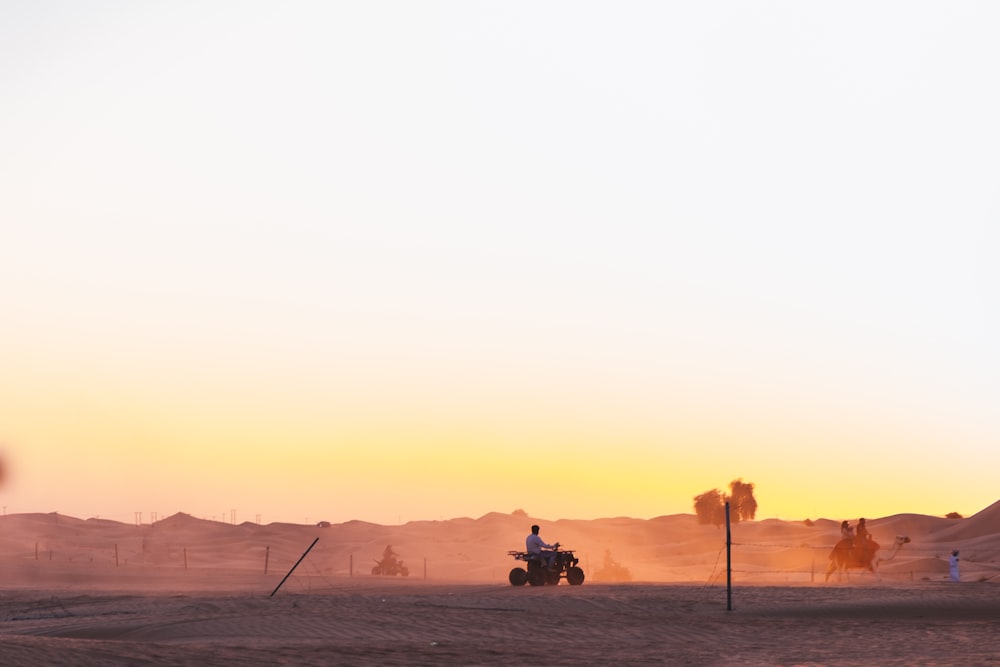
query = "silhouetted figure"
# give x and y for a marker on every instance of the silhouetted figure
(388, 556)
(389, 564)
(846, 532)
(863, 541)
(612, 570)
(953, 566)
(539, 549)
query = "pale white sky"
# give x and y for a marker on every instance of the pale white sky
(740, 223)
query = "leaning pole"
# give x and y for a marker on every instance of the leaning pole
(293, 568)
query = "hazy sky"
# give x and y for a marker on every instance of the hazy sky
(418, 260)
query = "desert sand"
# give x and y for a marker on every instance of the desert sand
(189, 591)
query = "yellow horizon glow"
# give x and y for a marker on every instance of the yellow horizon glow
(342, 263)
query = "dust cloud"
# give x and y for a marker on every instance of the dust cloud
(180, 550)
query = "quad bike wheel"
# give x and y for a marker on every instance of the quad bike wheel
(552, 578)
(574, 576)
(517, 577)
(536, 577)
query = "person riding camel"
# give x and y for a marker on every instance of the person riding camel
(847, 533)
(863, 542)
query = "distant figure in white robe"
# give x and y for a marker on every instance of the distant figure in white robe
(953, 565)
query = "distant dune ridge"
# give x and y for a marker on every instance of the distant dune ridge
(673, 548)
(189, 591)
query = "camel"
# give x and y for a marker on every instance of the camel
(847, 557)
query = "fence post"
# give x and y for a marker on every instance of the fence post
(185, 558)
(729, 563)
(267, 557)
(116, 555)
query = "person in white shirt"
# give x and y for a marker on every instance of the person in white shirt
(953, 566)
(538, 548)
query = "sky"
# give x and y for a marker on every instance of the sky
(398, 261)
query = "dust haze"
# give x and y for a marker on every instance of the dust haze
(182, 551)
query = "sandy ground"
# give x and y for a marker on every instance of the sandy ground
(186, 591)
(413, 622)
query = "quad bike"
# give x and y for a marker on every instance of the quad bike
(537, 574)
(612, 570)
(390, 567)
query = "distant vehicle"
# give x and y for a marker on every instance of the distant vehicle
(612, 570)
(391, 569)
(537, 574)
(390, 565)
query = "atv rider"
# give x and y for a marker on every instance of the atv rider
(388, 556)
(537, 548)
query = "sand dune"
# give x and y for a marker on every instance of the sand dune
(664, 549)
(190, 591)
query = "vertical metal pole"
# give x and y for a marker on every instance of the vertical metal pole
(729, 563)
(267, 557)
(116, 555)
(185, 558)
(425, 567)
(350, 566)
